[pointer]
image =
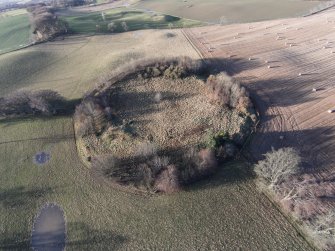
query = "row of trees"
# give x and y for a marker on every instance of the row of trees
(69, 3)
(22, 103)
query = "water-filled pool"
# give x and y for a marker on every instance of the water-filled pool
(49, 230)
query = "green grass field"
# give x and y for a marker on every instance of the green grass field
(134, 19)
(14, 30)
(225, 212)
(73, 66)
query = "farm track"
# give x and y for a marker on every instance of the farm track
(291, 114)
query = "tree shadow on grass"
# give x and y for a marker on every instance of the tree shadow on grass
(230, 172)
(14, 241)
(282, 92)
(21, 197)
(231, 66)
(83, 237)
(53, 139)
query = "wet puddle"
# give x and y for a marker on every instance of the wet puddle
(49, 231)
(41, 158)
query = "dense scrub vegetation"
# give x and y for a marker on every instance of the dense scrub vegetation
(227, 92)
(23, 103)
(45, 22)
(70, 3)
(151, 167)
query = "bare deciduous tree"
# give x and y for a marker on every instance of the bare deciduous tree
(197, 164)
(278, 165)
(91, 117)
(111, 26)
(45, 102)
(124, 26)
(167, 181)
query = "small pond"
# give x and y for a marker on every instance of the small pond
(49, 230)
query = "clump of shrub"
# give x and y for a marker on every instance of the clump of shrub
(226, 91)
(167, 180)
(169, 35)
(222, 143)
(23, 103)
(116, 170)
(143, 68)
(168, 18)
(45, 22)
(216, 140)
(196, 164)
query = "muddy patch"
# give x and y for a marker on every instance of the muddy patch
(49, 232)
